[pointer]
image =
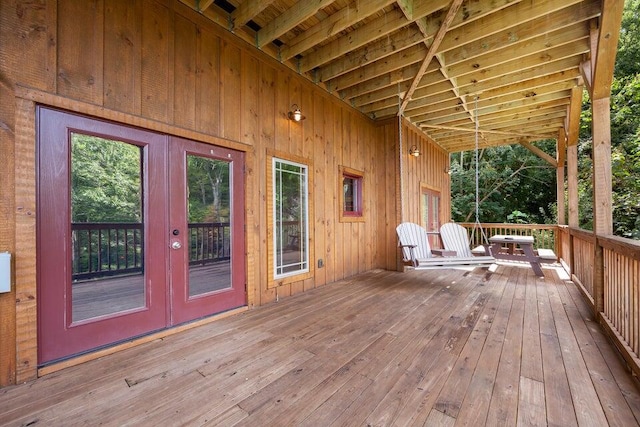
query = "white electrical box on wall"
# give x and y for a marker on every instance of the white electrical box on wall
(5, 272)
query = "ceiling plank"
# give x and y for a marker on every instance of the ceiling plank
(407, 37)
(402, 59)
(375, 29)
(574, 36)
(246, 11)
(503, 19)
(331, 26)
(520, 33)
(291, 18)
(472, 130)
(451, 13)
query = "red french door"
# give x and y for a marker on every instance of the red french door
(206, 256)
(430, 215)
(137, 232)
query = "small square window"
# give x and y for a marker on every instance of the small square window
(351, 192)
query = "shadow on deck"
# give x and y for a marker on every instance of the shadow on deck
(440, 347)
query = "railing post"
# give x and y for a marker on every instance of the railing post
(598, 277)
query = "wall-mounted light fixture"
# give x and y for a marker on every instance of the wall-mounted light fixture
(296, 114)
(414, 151)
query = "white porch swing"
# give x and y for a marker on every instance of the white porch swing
(415, 244)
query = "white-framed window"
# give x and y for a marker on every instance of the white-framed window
(290, 182)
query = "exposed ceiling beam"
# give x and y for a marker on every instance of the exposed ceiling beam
(379, 27)
(497, 132)
(538, 152)
(331, 26)
(289, 19)
(406, 38)
(204, 4)
(246, 11)
(451, 13)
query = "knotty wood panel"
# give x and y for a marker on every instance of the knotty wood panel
(160, 65)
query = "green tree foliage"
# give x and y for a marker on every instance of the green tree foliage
(105, 180)
(208, 184)
(511, 179)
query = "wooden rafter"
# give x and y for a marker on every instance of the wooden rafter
(451, 13)
(247, 11)
(331, 26)
(540, 153)
(292, 17)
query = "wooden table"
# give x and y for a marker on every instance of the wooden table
(518, 248)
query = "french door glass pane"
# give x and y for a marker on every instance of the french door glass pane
(290, 218)
(107, 227)
(209, 210)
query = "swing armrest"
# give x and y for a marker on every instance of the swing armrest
(413, 259)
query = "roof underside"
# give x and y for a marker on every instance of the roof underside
(510, 63)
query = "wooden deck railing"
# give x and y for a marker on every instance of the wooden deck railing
(544, 234)
(621, 290)
(106, 249)
(209, 242)
(109, 249)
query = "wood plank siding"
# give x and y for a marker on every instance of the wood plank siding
(434, 347)
(159, 65)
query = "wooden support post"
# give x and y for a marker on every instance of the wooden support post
(602, 195)
(561, 154)
(572, 184)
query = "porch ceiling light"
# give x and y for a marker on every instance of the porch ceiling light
(296, 114)
(414, 151)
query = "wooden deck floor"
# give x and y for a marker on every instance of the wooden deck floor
(436, 347)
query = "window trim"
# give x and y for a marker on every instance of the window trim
(275, 280)
(357, 215)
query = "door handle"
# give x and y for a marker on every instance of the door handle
(176, 245)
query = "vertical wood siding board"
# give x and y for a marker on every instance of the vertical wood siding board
(295, 129)
(25, 244)
(81, 59)
(249, 102)
(281, 108)
(259, 226)
(207, 83)
(330, 196)
(185, 73)
(122, 56)
(231, 91)
(393, 177)
(339, 226)
(137, 57)
(308, 127)
(154, 63)
(368, 199)
(9, 31)
(319, 162)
